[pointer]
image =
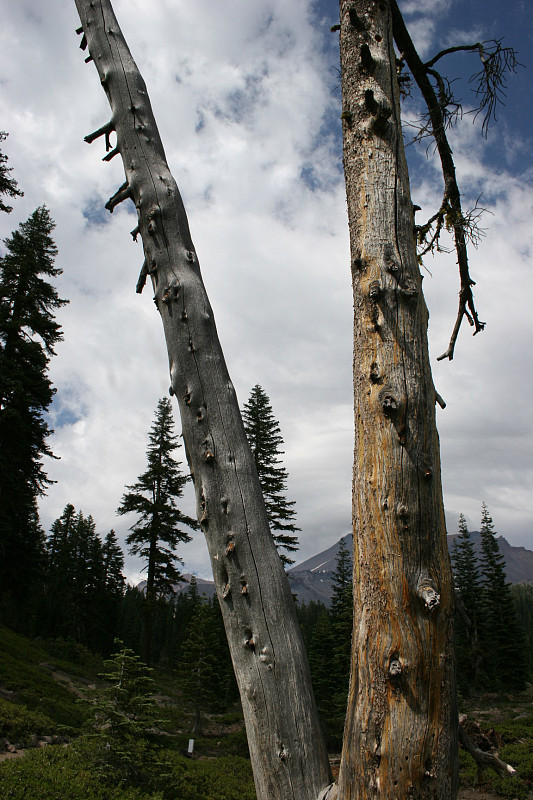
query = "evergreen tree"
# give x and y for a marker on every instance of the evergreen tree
(321, 652)
(112, 593)
(200, 676)
(159, 528)
(468, 597)
(264, 436)
(522, 594)
(123, 713)
(342, 624)
(503, 640)
(8, 184)
(28, 334)
(84, 582)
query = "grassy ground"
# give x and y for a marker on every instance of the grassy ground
(40, 688)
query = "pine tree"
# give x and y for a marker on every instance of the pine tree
(158, 530)
(8, 185)
(28, 335)
(264, 436)
(503, 640)
(468, 596)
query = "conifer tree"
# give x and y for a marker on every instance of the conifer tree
(264, 436)
(503, 640)
(342, 623)
(8, 185)
(28, 335)
(112, 590)
(160, 525)
(83, 582)
(468, 596)
(200, 676)
(323, 675)
(123, 713)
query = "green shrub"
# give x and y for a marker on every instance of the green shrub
(511, 787)
(467, 769)
(58, 772)
(18, 724)
(226, 778)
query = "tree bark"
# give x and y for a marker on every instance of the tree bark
(286, 746)
(401, 725)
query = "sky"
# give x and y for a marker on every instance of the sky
(247, 99)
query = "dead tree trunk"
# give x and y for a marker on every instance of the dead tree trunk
(286, 746)
(401, 724)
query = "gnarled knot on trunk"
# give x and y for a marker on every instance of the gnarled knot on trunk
(427, 592)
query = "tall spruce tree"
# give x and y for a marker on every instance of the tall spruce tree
(28, 335)
(468, 599)
(264, 436)
(502, 638)
(8, 185)
(160, 526)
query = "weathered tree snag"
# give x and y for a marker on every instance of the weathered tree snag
(286, 746)
(401, 725)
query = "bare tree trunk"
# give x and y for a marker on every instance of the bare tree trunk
(401, 724)
(286, 745)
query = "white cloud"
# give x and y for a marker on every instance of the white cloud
(242, 94)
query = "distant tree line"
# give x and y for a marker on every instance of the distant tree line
(490, 643)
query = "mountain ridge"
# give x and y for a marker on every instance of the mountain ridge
(312, 580)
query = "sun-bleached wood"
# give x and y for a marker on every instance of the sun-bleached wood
(286, 746)
(401, 724)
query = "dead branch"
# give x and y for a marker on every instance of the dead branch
(454, 218)
(483, 759)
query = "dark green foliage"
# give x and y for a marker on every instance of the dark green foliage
(28, 335)
(205, 673)
(327, 635)
(522, 594)
(265, 439)
(26, 669)
(342, 623)
(69, 774)
(8, 185)
(468, 601)
(83, 582)
(123, 713)
(20, 725)
(502, 639)
(491, 646)
(159, 527)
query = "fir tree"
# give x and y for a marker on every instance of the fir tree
(200, 674)
(468, 596)
(264, 436)
(84, 582)
(342, 624)
(323, 676)
(8, 184)
(159, 528)
(122, 714)
(503, 640)
(28, 335)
